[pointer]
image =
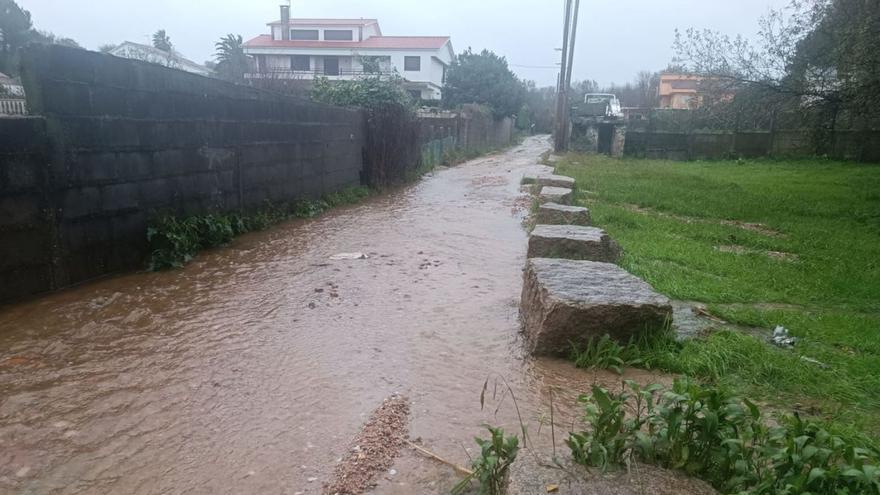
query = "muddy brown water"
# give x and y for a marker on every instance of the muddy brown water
(250, 370)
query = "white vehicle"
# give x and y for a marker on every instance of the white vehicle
(595, 101)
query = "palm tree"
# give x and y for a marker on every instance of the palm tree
(232, 62)
(161, 41)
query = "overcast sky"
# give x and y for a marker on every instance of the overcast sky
(616, 38)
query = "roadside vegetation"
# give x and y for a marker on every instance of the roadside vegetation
(174, 240)
(761, 244)
(712, 434)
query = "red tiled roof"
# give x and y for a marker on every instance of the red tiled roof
(378, 42)
(298, 21)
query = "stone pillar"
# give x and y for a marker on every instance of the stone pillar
(591, 138)
(618, 141)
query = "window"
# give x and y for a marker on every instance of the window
(412, 64)
(331, 66)
(304, 34)
(338, 35)
(683, 84)
(300, 62)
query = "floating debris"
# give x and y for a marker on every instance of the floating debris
(349, 256)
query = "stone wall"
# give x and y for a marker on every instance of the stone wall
(119, 140)
(846, 145)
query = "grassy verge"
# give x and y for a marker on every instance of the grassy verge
(174, 240)
(762, 243)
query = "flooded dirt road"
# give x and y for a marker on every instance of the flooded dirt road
(250, 370)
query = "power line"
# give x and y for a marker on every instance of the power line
(554, 67)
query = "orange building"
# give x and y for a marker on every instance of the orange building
(680, 91)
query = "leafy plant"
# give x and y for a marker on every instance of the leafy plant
(174, 241)
(605, 445)
(721, 438)
(491, 467)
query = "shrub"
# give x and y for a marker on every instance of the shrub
(710, 433)
(393, 145)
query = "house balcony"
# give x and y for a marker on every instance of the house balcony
(308, 75)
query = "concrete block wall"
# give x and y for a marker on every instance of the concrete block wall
(26, 239)
(120, 140)
(473, 129)
(846, 144)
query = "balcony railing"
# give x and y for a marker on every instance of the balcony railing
(312, 74)
(13, 106)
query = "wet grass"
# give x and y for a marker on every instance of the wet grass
(762, 243)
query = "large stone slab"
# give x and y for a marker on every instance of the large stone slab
(548, 180)
(557, 214)
(551, 194)
(573, 242)
(569, 302)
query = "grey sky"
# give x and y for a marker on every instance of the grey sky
(616, 38)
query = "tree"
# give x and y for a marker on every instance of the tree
(540, 107)
(232, 62)
(486, 79)
(50, 38)
(15, 31)
(106, 48)
(815, 54)
(162, 41)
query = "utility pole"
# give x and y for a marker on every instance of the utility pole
(562, 90)
(566, 135)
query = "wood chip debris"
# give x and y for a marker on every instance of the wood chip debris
(373, 450)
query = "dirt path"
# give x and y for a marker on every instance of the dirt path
(250, 370)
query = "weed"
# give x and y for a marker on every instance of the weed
(713, 434)
(174, 241)
(606, 444)
(491, 467)
(604, 353)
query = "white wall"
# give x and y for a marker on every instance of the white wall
(368, 31)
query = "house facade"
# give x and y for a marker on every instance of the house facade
(341, 49)
(12, 98)
(680, 91)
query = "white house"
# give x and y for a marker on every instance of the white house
(147, 53)
(348, 48)
(12, 101)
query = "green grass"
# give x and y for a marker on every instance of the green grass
(670, 218)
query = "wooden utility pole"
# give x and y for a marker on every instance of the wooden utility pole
(566, 105)
(561, 92)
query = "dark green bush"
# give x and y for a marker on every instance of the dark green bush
(174, 241)
(717, 436)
